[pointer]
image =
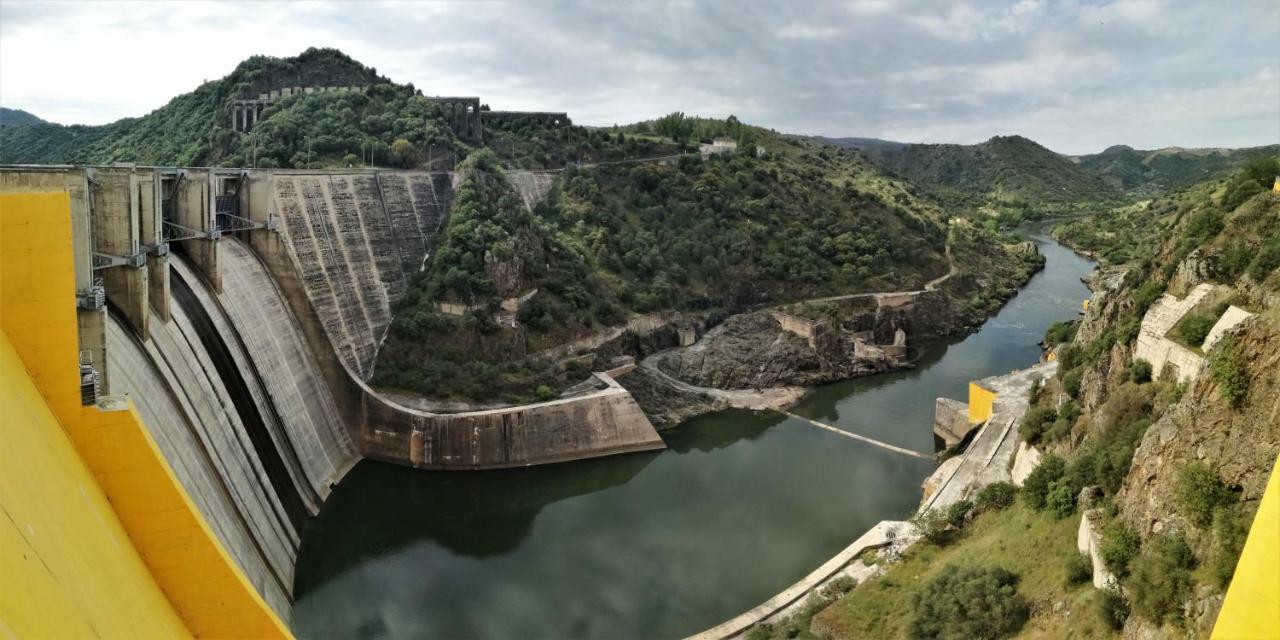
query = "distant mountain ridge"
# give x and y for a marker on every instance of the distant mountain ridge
(1149, 173)
(1015, 168)
(13, 117)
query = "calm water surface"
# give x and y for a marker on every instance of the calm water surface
(661, 544)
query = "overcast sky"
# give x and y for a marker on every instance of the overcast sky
(1075, 76)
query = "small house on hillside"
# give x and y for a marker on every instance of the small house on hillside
(719, 145)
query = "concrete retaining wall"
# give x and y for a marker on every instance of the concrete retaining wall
(950, 420)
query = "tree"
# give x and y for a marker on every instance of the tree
(1198, 492)
(404, 153)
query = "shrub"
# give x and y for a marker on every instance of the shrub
(1036, 486)
(1071, 382)
(1035, 421)
(1267, 260)
(1069, 357)
(839, 586)
(1146, 296)
(1230, 528)
(1228, 368)
(957, 513)
(996, 497)
(1118, 547)
(1161, 579)
(1193, 328)
(1079, 570)
(933, 525)
(1140, 371)
(1061, 500)
(1112, 608)
(1059, 332)
(1197, 492)
(968, 602)
(544, 392)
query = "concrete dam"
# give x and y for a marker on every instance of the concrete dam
(228, 321)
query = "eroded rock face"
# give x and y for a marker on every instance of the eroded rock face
(752, 350)
(666, 406)
(1240, 444)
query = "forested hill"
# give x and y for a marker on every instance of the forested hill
(1150, 173)
(195, 128)
(1013, 170)
(10, 117)
(1002, 170)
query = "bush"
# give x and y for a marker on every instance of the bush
(1071, 382)
(934, 525)
(996, 497)
(1118, 547)
(1035, 422)
(1112, 608)
(1069, 357)
(1079, 570)
(1227, 366)
(1230, 528)
(1059, 332)
(1140, 371)
(1197, 492)
(839, 586)
(1161, 579)
(1193, 328)
(1061, 500)
(1036, 487)
(957, 513)
(1267, 260)
(968, 602)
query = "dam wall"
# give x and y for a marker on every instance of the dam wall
(231, 319)
(356, 240)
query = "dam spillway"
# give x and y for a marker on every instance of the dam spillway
(246, 310)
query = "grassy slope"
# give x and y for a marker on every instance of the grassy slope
(1033, 545)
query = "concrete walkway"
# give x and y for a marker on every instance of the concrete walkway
(884, 533)
(848, 434)
(989, 458)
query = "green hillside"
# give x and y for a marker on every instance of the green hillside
(719, 233)
(1145, 174)
(1008, 170)
(192, 129)
(12, 117)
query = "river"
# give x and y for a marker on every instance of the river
(662, 544)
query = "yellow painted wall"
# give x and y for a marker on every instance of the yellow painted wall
(168, 544)
(981, 403)
(67, 568)
(1252, 607)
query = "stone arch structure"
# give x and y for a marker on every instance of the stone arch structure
(462, 113)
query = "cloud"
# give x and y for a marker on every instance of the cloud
(1076, 75)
